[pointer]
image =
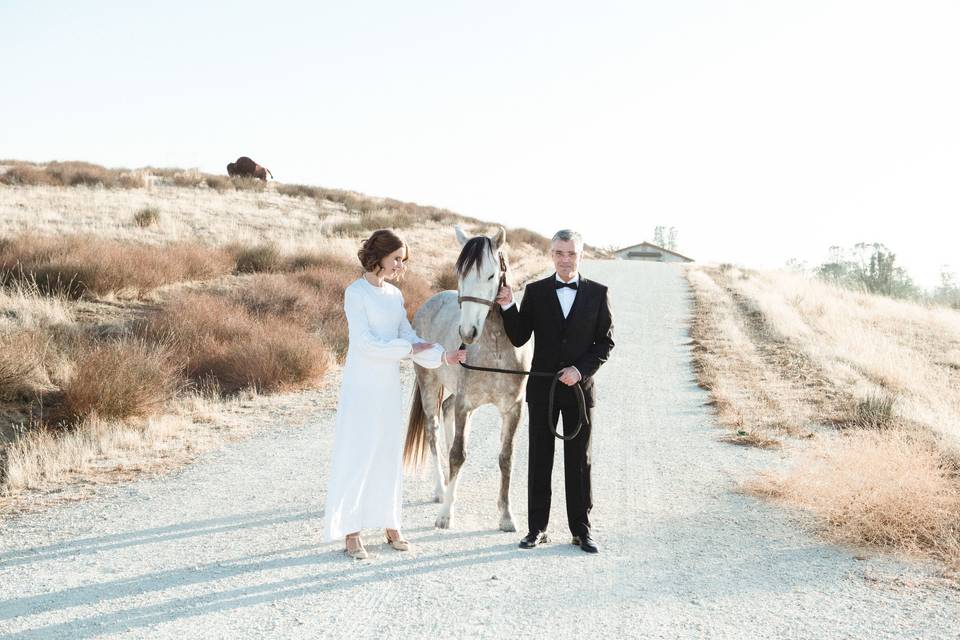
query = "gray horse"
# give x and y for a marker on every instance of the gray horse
(451, 394)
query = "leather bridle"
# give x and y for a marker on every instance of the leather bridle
(503, 282)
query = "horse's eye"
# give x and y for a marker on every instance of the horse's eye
(491, 277)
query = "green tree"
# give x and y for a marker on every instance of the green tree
(868, 266)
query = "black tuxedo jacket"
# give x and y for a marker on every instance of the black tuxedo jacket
(583, 339)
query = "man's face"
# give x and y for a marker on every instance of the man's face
(566, 258)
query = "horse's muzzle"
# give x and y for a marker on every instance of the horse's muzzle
(469, 337)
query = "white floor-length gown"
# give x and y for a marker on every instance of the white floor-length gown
(366, 467)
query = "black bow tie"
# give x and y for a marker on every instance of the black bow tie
(561, 285)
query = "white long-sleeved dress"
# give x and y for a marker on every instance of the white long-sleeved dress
(366, 467)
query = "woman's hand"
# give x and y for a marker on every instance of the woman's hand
(420, 346)
(453, 357)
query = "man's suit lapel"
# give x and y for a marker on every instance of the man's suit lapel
(554, 303)
(583, 290)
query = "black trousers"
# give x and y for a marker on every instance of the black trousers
(576, 468)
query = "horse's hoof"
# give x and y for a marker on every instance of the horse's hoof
(443, 522)
(506, 524)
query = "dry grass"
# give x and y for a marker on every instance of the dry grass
(892, 490)
(278, 357)
(219, 183)
(416, 289)
(447, 278)
(248, 184)
(146, 217)
(222, 343)
(257, 258)
(24, 305)
(119, 379)
(876, 378)
(22, 358)
(300, 191)
(96, 450)
(81, 266)
(520, 235)
(751, 439)
(371, 220)
(71, 174)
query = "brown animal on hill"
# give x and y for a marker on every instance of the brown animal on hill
(245, 167)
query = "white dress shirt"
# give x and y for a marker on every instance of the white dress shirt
(566, 295)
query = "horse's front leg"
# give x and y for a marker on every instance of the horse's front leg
(457, 456)
(441, 451)
(509, 420)
(436, 449)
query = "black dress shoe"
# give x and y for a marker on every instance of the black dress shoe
(586, 543)
(533, 539)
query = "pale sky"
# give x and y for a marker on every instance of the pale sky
(761, 130)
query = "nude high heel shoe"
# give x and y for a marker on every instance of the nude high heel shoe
(356, 551)
(398, 543)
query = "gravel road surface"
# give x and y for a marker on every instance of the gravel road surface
(229, 546)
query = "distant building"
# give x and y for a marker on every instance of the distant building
(650, 251)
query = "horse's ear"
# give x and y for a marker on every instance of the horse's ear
(499, 238)
(461, 236)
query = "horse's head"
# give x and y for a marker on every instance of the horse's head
(479, 272)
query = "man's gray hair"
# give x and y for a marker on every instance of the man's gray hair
(569, 234)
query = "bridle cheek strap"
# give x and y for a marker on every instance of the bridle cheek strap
(503, 282)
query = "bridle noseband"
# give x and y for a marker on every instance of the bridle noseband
(503, 282)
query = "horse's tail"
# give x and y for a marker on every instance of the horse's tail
(415, 446)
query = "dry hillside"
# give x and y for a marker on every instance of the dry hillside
(138, 309)
(860, 392)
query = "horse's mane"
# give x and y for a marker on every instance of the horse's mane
(472, 254)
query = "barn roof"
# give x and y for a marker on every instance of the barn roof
(650, 245)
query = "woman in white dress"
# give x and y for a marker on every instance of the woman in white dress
(366, 467)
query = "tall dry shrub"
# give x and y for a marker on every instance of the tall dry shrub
(371, 219)
(446, 278)
(119, 379)
(188, 179)
(890, 489)
(416, 289)
(224, 346)
(28, 175)
(218, 183)
(78, 266)
(328, 281)
(257, 258)
(21, 362)
(198, 326)
(279, 296)
(300, 191)
(519, 235)
(277, 356)
(248, 184)
(70, 174)
(146, 217)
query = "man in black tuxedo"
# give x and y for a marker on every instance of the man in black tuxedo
(569, 317)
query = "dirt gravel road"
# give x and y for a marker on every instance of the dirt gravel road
(229, 547)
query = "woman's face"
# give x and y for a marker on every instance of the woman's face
(393, 264)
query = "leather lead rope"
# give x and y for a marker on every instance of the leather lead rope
(577, 389)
